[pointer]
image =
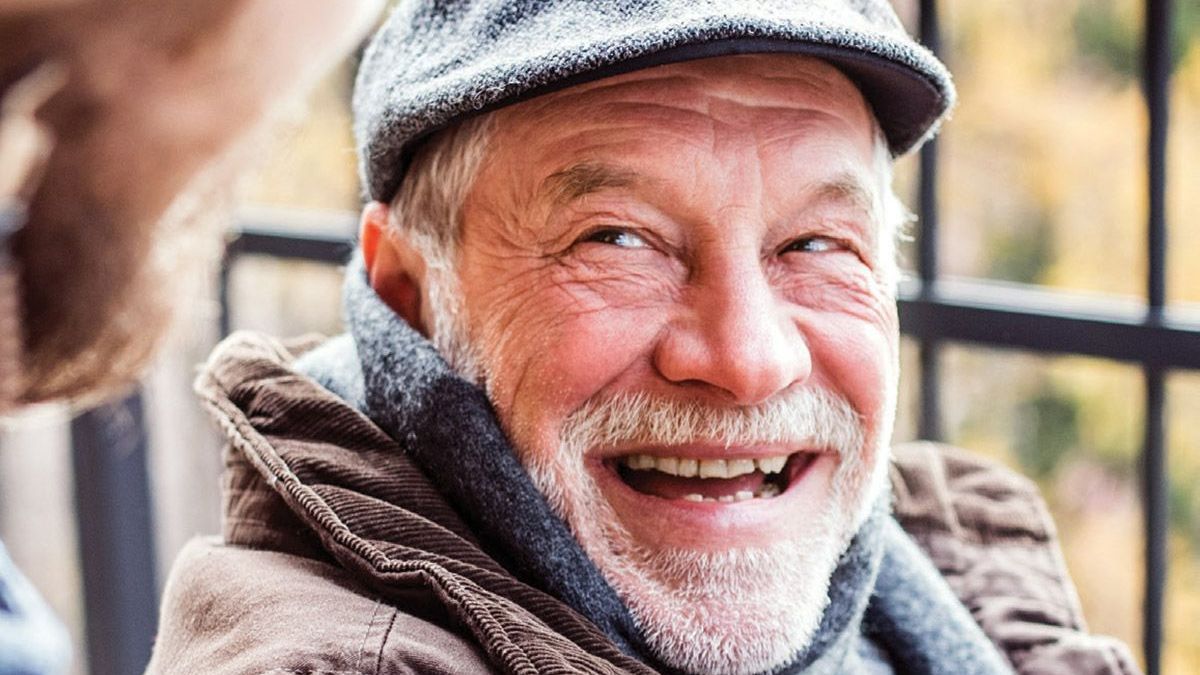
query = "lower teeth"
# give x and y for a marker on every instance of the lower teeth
(767, 491)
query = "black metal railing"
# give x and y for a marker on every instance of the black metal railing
(933, 314)
(933, 311)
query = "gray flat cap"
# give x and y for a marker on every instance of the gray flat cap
(435, 62)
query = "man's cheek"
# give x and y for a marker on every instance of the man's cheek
(572, 356)
(857, 359)
(592, 349)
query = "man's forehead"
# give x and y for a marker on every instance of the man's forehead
(578, 141)
(843, 187)
(764, 81)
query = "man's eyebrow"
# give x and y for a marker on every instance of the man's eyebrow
(584, 178)
(848, 188)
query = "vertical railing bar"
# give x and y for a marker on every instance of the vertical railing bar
(927, 205)
(1157, 79)
(116, 535)
(929, 423)
(224, 320)
(1154, 491)
(1156, 83)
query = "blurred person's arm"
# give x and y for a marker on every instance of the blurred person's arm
(31, 639)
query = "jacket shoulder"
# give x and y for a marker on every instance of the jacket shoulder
(230, 610)
(943, 489)
(989, 532)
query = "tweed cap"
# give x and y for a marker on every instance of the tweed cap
(435, 62)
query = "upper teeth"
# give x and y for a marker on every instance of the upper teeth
(706, 468)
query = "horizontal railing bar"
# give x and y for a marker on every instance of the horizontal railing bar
(323, 248)
(1046, 321)
(295, 235)
(319, 248)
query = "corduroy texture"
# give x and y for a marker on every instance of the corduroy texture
(341, 556)
(435, 62)
(374, 514)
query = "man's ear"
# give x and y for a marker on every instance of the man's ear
(395, 269)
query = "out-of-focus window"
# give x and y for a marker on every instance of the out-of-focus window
(1042, 182)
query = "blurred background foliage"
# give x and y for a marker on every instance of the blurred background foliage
(1043, 182)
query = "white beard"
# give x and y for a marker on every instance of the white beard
(734, 611)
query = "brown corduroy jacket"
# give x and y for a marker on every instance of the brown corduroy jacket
(338, 556)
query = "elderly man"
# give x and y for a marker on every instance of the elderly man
(621, 374)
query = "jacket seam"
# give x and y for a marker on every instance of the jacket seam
(384, 639)
(362, 646)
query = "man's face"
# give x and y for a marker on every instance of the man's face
(673, 283)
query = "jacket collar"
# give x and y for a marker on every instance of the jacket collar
(316, 474)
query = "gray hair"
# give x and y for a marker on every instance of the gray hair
(427, 211)
(428, 207)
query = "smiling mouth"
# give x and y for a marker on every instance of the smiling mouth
(712, 480)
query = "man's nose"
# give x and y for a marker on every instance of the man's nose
(735, 335)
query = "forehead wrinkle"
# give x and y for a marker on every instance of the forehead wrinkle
(679, 97)
(650, 117)
(793, 126)
(676, 119)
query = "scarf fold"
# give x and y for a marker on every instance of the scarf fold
(396, 377)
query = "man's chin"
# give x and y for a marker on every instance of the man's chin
(738, 611)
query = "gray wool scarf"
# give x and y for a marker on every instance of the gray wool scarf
(885, 595)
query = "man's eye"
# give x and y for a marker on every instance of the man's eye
(813, 245)
(615, 237)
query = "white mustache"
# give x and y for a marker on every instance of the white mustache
(811, 418)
